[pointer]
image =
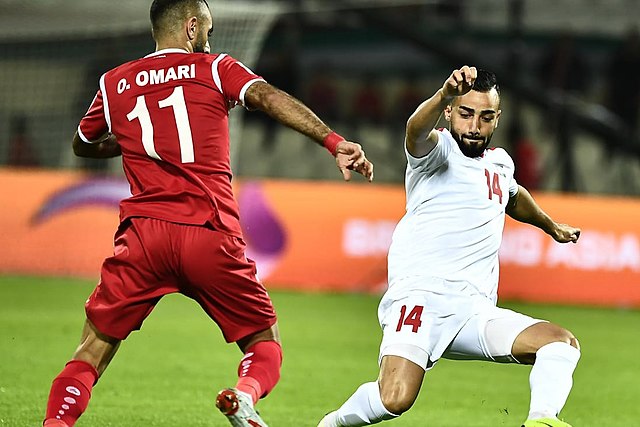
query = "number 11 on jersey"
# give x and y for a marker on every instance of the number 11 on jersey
(179, 107)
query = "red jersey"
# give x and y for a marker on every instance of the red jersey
(169, 112)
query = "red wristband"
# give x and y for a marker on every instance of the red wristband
(331, 142)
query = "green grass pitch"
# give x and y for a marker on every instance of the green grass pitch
(169, 373)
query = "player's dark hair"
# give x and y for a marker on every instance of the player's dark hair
(485, 81)
(166, 14)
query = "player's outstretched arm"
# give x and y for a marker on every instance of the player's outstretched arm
(292, 113)
(420, 138)
(522, 207)
(104, 149)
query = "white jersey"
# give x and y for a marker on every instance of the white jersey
(455, 216)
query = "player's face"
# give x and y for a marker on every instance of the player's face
(473, 117)
(201, 44)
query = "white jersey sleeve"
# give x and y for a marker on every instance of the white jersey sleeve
(434, 159)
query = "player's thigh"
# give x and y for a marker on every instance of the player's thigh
(217, 274)
(134, 279)
(490, 335)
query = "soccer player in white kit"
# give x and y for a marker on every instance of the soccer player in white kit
(443, 264)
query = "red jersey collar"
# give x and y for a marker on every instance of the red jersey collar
(164, 51)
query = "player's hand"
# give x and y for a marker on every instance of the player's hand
(350, 157)
(564, 233)
(460, 81)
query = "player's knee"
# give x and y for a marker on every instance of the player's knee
(271, 334)
(559, 334)
(397, 398)
(573, 342)
(96, 348)
(565, 336)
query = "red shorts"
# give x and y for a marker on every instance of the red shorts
(153, 258)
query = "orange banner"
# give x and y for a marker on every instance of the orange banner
(324, 236)
(603, 268)
(337, 234)
(40, 235)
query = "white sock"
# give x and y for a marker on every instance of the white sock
(551, 379)
(363, 408)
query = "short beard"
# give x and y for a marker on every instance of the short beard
(199, 47)
(470, 151)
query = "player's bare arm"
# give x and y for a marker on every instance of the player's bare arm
(420, 137)
(294, 114)
(107, 147)
(522, 207)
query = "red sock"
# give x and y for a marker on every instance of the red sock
(71, 391)
(259, 369)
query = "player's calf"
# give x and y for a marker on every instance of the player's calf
(70, 394)
(400, 381)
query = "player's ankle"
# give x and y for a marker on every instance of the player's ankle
(538, 415)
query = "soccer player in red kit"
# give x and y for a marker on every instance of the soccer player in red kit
(167, 115)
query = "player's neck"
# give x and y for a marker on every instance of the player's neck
(172, 44)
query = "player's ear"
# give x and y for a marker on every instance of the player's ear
(192, 28)
(497, 118)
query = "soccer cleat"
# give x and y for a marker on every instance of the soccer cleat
(238, 409)
(545, 422)
(323, 422)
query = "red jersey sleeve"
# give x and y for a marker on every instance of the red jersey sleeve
(232, 78)
(94, 123)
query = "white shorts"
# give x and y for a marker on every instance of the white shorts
(451, 320)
